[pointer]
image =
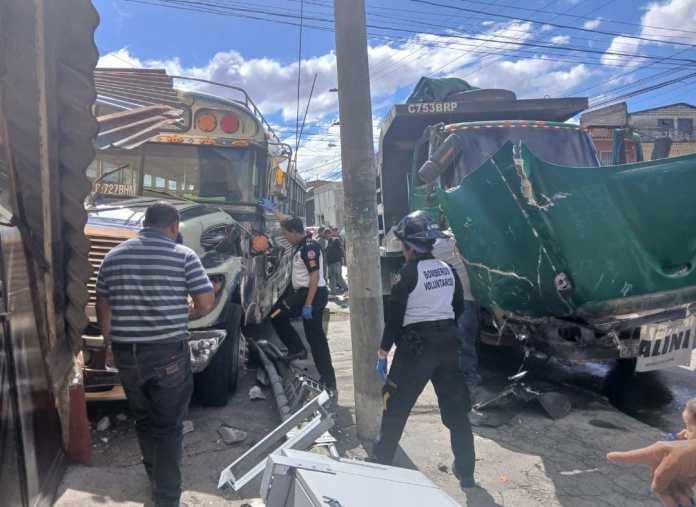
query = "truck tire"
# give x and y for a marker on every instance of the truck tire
(234, 335)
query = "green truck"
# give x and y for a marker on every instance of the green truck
(568, 258)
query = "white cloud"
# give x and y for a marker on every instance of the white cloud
(675, 15)
(272, 83)
(546, 28)
(675, 19)
(522, 76)
(560, 39)
(626, 45)
(592, 24)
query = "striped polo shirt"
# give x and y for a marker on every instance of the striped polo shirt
(147, 280)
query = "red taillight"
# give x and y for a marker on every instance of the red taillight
(229, 123)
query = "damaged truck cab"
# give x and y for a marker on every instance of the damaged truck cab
(567, 258)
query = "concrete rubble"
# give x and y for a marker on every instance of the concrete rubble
(232, 435)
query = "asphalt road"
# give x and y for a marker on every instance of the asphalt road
(524, 457)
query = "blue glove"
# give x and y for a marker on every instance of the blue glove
(266, 204)
(307, 312)
(381, 368)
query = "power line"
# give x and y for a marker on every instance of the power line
(557, 25)
(537, 44)
(586, 17)
(643, 90)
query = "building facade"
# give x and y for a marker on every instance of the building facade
(325, 204)
(673, 121)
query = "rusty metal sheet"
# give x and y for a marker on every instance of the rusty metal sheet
(133, 88)
(131, 128)
(47, 59)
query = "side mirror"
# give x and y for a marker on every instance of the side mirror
(259, 244)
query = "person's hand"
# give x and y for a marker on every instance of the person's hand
(683, 435)
(673, 466)
(266, 204)
(381, 366)
(381, 369)
(307, 312)
(109, 358)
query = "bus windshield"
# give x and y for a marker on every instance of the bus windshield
(202, 173)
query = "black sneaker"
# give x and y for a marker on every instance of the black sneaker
(465, 482)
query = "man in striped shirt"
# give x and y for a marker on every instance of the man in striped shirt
(142, 306)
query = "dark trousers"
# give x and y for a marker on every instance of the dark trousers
(290, 306)
(158, 383)
(336, 280)
(433, 359)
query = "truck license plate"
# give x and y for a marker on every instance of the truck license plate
(666, 344)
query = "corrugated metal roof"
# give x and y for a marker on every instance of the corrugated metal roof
(133, 88)
(129, 129)
(144, 100)
(47, 57)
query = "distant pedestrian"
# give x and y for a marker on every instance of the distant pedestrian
(307, 296)
(334, 259)
(322, 238)
(142, 307)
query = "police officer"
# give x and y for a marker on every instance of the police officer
(307, 296)
(424, 306)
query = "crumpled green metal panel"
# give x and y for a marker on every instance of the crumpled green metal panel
(606, 235)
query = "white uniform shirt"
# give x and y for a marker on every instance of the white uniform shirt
(307, 259)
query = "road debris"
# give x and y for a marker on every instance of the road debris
(103, 424)
(232, 435)
(578, 472)
(255, 393)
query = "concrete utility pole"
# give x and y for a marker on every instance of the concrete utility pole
(360, 210)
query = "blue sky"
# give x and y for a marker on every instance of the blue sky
(493, 47)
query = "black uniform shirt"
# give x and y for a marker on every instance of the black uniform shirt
(435, 277)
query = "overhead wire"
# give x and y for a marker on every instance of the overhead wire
(557, 25)
(528, 43)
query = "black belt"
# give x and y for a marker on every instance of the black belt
(432, 325)
(135, 346)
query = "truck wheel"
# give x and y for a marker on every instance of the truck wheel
(234, 335)
(211, 386)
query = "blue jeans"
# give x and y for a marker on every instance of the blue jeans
(158, 382)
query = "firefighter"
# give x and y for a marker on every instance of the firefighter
(424, 306)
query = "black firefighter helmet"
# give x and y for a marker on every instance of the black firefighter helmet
(419, 231)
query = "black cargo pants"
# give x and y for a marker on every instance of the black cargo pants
(158, 383)
(433, 359)
(290, 306)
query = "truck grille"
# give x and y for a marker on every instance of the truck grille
(99, 247)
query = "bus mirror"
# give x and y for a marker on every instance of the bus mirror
(259, 244)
